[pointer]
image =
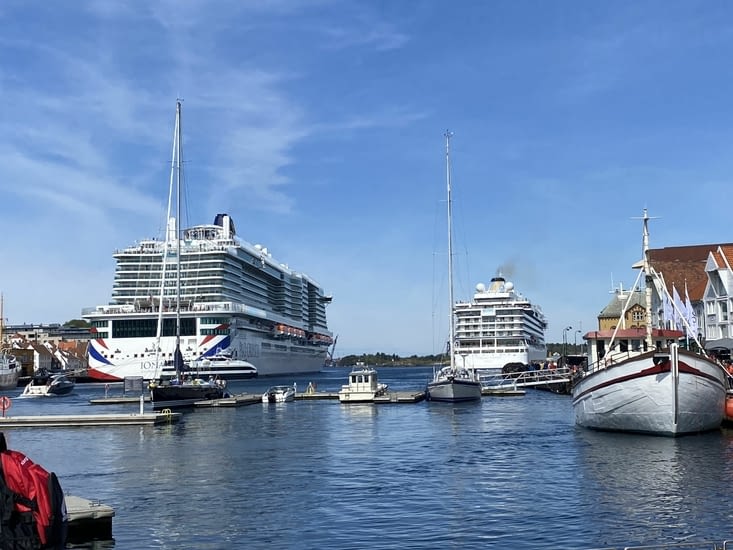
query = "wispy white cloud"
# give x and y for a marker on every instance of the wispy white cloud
(362, 32)
(282, 103)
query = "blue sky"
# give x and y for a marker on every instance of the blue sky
(318, 125)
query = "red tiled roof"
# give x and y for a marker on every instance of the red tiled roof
(727, 252)
(686, 264)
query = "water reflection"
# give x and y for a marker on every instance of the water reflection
(644, 489)
(312, 474)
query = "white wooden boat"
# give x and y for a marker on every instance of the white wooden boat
(640, 380)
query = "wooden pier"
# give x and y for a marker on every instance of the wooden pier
(74, 420)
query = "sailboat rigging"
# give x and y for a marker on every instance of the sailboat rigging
(452, 384)
(182, 390)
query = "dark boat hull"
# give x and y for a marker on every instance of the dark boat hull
(171, 396)
(61, 388)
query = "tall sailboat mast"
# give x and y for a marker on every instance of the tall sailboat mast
(178, 356)
(448, 135)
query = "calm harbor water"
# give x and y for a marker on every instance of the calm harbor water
(504, 473)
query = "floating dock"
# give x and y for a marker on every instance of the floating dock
(88, 520)
(233, 401)
(119, 400)
(400, 397)
(74, 420)
(316, 395)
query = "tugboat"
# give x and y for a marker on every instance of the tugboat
(363, 386)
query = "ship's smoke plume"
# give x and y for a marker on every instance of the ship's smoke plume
(507, 269)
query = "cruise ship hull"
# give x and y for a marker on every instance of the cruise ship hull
(270, 357)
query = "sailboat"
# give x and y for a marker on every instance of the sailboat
(451, 383)
(183, 390)
(641, 380)
(9, 365)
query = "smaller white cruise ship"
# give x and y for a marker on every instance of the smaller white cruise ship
(498, 327)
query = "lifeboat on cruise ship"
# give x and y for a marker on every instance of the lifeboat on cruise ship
(322, 339)
(284, 331)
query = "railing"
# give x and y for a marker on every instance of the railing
(527, 378)
(612, 358)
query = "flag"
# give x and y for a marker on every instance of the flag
(667, 308)
(691, 317)
(679, 309)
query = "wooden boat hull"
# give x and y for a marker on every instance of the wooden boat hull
(648, 393)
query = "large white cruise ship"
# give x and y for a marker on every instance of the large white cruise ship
(499, 326)
(236, 300)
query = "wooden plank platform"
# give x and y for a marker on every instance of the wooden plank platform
(73, 420)
(400, 397)
(120, 400)
(316, 395)
(88, 520)
(234, 401)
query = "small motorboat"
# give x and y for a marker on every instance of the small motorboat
(279, 394)
(47, 384)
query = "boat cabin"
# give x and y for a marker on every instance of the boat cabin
(363, 385)
(627, 342)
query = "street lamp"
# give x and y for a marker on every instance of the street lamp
(575, 347)
(565, 342)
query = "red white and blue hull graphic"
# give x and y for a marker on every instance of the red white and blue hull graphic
(114, 360)
(672, 393)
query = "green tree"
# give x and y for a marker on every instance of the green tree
(77, 323)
